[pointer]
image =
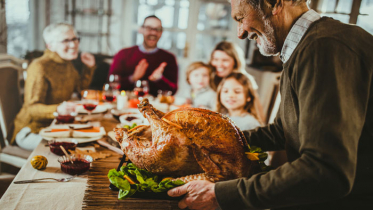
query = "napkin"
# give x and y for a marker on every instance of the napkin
(91, 130)
(65, 132)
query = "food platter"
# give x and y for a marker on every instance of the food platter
(101, 108)
(144, 195)
(117, 113)
(80, 137)
(79, 140)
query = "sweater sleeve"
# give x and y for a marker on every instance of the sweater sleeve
(170, 75)
(269, 138)
(333, 92)
(86, 77)
(118, 67)
(35, 94)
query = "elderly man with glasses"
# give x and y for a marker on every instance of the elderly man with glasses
(51, 79)
(325, 120)
(147, 61)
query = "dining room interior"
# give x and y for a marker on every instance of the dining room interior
(108, 34)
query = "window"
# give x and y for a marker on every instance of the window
(174, 15)
(214, 25)
(365, 18)
(339, 10)
(17, 19)
(359, 12)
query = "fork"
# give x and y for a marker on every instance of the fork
(39, 180)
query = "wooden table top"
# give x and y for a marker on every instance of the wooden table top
(99, 196)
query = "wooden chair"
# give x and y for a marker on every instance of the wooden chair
(10, 104)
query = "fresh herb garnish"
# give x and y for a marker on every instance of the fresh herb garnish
(262, 156)
(145, 181)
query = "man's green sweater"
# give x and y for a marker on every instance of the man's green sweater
(325, 123)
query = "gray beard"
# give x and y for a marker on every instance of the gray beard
(268, 39)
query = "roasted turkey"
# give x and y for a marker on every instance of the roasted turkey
(189, 143)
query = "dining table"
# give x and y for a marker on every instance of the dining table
(89, 190)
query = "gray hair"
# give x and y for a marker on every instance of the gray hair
(53, 30)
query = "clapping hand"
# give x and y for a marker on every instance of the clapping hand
(88, 59)
(140, 69)
(157, 73)
(199, 195)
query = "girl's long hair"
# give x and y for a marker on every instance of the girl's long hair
(248, 90)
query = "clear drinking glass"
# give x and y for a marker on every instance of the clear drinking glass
(109, 93)
(141, 89)
(114, 81)
(90, 99)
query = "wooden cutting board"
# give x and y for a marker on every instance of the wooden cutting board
(99, 196)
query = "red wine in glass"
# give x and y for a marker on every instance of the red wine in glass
(140, 93)
(89, 107)
(110, 98)
(65, 118)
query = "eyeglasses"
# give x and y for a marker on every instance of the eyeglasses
(148, 29)
(67, 41)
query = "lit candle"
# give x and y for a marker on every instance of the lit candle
(122, 100)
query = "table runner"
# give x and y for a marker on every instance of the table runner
(48, 195)
(99, 196)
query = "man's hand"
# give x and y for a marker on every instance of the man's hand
(88, 59)
(157, 74)
(199, 195)
(140, 70)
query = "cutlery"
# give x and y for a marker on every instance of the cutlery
(80, 128)
(40, 180)
(67, 155)
(72, 128)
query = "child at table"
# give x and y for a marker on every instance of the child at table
(235, 98)
(200, 94)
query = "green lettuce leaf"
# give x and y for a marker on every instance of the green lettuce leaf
(147, 181)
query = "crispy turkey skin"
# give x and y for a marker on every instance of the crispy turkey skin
(184, 142)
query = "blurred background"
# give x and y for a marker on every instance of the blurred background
(192, 28)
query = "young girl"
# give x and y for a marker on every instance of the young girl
(226, 58)
(200, 95)
(236, 98)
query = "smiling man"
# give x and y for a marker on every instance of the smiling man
(325, 120)
(147, 61)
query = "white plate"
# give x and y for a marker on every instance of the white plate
(139, 119)
(42, 133)
(99, 109)
(79, 140)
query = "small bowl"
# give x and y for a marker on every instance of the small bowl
(82, 163)
(129, 119)
(117, 113)
(55, 148)
(65, 118)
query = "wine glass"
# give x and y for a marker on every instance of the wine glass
(169, 99)
(114, 81)
(90, 101)
(109, 93)
(165, 96)
(141, 88)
